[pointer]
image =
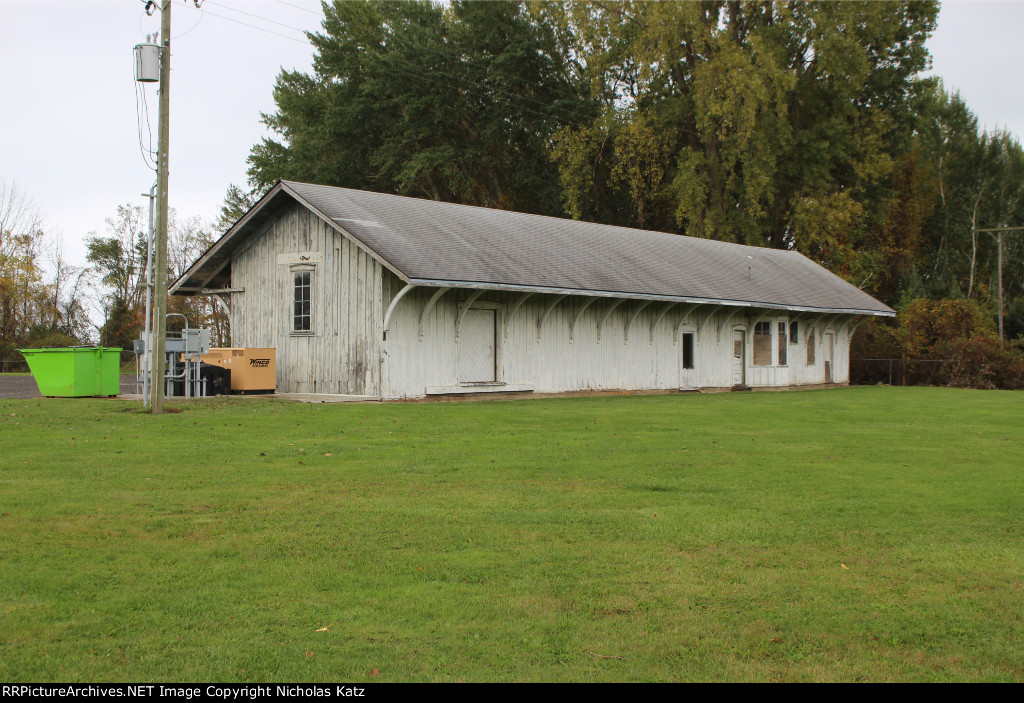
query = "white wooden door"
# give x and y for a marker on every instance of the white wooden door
(739, 375)
(477, 347)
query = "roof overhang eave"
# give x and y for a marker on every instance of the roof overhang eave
(187, 282)
(210, 254)
(514, 287)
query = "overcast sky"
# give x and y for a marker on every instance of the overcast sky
(68, 134)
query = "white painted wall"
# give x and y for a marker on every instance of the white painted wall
(561, 357)
(346, 353)
(341, 354)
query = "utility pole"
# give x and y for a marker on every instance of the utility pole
(147, 337)
(999, 238)
(1000, 286)
(160, 255)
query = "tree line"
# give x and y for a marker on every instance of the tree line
(798, 125)
(118, 259)
(40, 291)
(45, 301)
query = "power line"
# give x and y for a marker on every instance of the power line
(261, 29)
(395, 38)
(265, 19)
(417, 72)
(202, 14)
(148, 154)
(299, 7)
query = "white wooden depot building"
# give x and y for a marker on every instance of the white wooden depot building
(372, 294)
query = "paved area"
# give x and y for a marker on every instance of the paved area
(324, 398)
(25, 386)
(293, 397)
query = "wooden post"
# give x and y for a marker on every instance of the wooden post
(1000, 286)
(160, 255)
(999, 238)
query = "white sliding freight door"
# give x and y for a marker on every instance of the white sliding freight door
(477, 347)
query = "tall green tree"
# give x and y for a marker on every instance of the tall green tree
(774, 124)
(452, 103)
(978, 183)
(801, 125)
(236, 203)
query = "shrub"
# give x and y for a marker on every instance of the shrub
(953, 343)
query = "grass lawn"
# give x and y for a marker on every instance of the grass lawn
(850, 534)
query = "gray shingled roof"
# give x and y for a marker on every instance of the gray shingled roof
(434, 243)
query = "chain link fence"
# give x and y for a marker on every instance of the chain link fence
(19, 366)
(13, 366)
(899, 372)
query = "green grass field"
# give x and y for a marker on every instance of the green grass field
(849, 534)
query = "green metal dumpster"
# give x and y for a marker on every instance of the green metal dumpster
(75, 372)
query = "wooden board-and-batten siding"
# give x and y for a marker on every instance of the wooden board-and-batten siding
(569, 353)
(581, 344)
(341, 353)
